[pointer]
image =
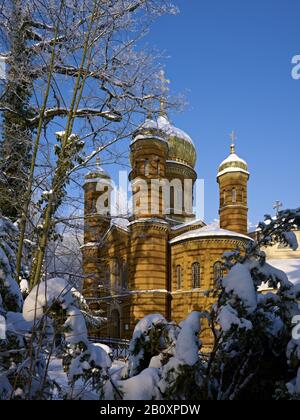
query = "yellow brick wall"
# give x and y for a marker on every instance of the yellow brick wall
(234, 215)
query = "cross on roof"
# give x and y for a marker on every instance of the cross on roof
(277, 206)
(164, 89)
(233, 138)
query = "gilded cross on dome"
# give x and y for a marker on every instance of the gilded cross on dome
(164, 90)
(233, 138)
(98, 162)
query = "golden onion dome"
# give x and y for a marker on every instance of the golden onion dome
(181, 146)
(233, 163)
(97, 174)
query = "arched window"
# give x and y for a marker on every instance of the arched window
(234, 195)
(243, 196)
(218, 271)
(195, 275)
(179, 277)
(147, 167)
(224, 198)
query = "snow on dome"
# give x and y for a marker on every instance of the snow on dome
(208, 231)
(233, 163)
(150, 129)
(97, 175)
(181, 146)
(165, 125)
(233, 157)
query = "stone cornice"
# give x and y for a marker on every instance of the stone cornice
(129, 293)
(178, 168)
(234, 206)
(145, 223)
(212, 240)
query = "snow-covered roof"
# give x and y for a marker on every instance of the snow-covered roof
(208, 231)
(120, 222)
(233, 163)
(290, 266)
(90, 245)
(188, 224)
(165, 125)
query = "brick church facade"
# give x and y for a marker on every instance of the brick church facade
(159, 259)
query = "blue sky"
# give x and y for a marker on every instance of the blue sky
(233, 60)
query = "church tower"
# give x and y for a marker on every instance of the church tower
(97, 190)
(233, 179)
(149, 229)
(148, 156)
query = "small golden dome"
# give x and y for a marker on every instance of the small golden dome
(233, 163)
(97, 173)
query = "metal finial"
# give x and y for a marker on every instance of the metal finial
(233, 139)
(98, 162)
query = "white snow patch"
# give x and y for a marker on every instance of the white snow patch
(44, 295)
(240, 283)
(208, 231)
(142, 386)
(188, 343)
(228, 316)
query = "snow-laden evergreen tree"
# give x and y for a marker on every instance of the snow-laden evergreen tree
(164, 360)
(54, 302)
(22, 365)
(50, 322)
(252, 329)
(255, 355)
